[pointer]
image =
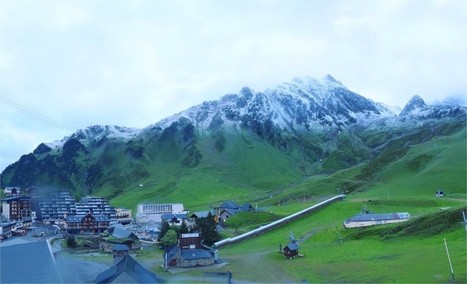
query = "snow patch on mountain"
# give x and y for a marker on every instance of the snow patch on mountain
(96, 133)
(303, 104)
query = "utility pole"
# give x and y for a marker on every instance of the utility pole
(449, 258)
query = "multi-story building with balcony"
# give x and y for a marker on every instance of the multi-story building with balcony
(55, 207)
(17, 208)
(96, 206)
(86, 224)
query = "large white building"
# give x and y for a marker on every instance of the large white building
(148, 212)
(370, 219)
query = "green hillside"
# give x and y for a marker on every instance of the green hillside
(411, 252)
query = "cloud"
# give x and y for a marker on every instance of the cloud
(132, 63)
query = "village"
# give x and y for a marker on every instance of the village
(93, 225)
(188, 239)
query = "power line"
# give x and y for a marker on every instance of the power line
(32, 112)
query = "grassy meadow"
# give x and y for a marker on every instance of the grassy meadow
(332, 253)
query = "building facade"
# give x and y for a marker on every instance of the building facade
(86, 224)
(17, 208)
(147, 213)
(189, 252)
(123, 216)
(95, 206)
(53, 209)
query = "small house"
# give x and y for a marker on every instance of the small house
(290, 250)
(226, 214)
(189, 252)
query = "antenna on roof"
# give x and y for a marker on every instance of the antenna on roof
(291, 237)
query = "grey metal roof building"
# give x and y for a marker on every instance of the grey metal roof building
(369, 219)
(28, 263)
(127, 270)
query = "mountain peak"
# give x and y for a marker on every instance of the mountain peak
(415, 104)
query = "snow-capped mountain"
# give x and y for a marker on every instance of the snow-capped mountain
(96, 133)
(418, 109)
(302, 105)
(303, 127)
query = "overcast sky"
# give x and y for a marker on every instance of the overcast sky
(66, 65)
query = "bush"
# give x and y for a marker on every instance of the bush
(71, 242)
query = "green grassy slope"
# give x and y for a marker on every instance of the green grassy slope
(334, 254)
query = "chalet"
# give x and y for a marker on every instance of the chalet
(12, 191)
(117, 234)
(231, 205)
(229, 208)
(365, 220)
(189, 252)
(87, 224)
(226, 214)
(290, 250)
(201, 214)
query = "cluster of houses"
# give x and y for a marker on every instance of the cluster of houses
(91, 215)
(94, 216)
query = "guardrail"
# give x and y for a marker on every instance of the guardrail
(277, 223)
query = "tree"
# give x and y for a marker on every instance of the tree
(208, 229)
(71, 242)
(170, 238)
(183, 229)
(164, 228)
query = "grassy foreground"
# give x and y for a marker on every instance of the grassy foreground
(333, 255)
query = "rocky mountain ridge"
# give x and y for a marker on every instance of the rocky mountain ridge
(309, 125)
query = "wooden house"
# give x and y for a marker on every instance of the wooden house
(189, 252)
(87, 224)
(290, 250)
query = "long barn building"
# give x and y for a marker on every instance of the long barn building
(370, 219)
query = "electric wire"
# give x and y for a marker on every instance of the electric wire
(32, 112)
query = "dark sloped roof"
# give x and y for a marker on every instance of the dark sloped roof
(292, 246)
(130, 267)
(229, 205)
(229, 211)
(201, 214)
(28, 263)
(171, 253)
(246, 207)
(122, 233)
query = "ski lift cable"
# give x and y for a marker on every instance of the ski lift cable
(32, 112)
